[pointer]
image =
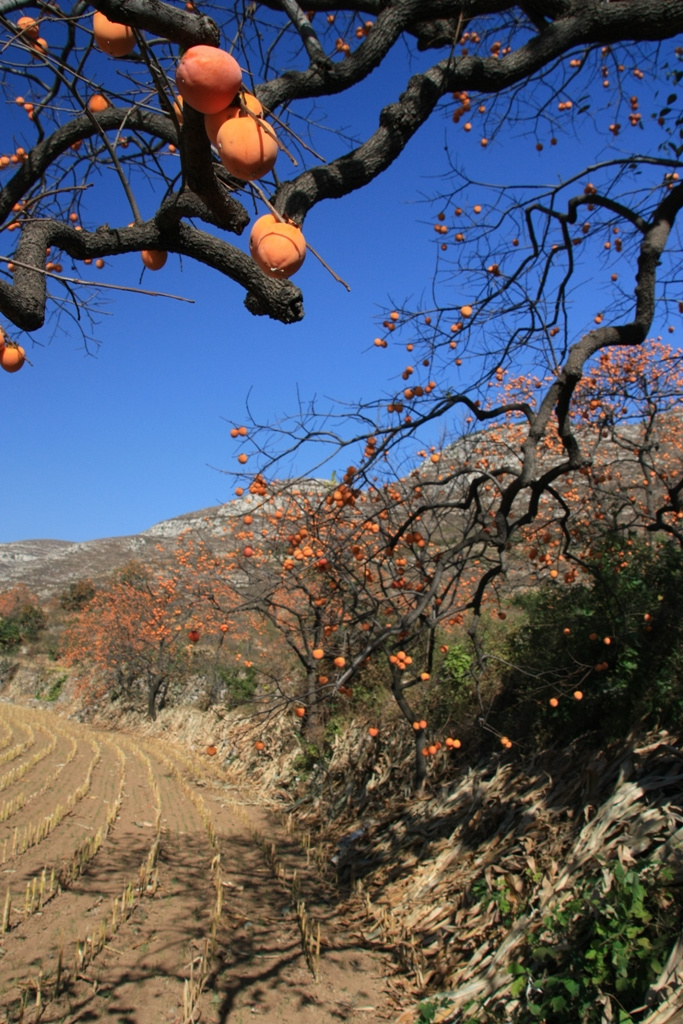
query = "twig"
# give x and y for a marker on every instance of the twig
(94, 284)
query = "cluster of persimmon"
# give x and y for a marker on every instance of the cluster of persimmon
(554, 701)
(432, 748)
(28, 32)
(209, 79)
(401, 660)
(341, 496)
(19, 156)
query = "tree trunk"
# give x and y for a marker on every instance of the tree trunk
(420, 760)
(312, 726)
(153, 687)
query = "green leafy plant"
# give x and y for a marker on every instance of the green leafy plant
(239, 683)
(308, 759)
(54, 688)
(455, 670)
(608, 941)
(429, 1008)
(499, 893)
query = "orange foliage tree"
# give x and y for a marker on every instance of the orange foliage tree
(134, 636)
(21, 617)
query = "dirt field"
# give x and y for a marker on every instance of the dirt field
(136, 887)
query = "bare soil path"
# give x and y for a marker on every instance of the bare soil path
(191, 907)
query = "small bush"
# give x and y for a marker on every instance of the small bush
(23, 624)
(10, 634)
(609, 941)
(54, 688)
(78, 595)
(240, 684)
(617, 641)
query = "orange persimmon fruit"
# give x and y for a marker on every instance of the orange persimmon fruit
(154, 259)
(373, 731)
(12, 357)
(212, 122)
(299, 712)
(28, 27)
(277, 247)
(111, 37)
(97, 103)
(211, 750)
(247, 147)
(208, 78)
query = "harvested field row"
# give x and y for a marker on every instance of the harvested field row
(161, 894)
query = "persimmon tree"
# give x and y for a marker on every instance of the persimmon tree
(440, 536)
(343, 577)
(532, 284)
(211, 574)
(134, 636)
(523, 56)
(21, 617)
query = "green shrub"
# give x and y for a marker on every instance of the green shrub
(618, 640)
(54, 688)
(308, 759)
(22, 625)
(609, 940)
(595, 955)
(455, 669)
(239, 682)
(10, 634)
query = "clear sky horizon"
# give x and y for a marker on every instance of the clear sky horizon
(111, 443)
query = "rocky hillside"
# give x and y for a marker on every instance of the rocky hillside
(48, 566)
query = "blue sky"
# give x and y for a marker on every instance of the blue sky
(111, 443)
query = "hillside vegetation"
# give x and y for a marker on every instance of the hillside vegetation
(533, 879)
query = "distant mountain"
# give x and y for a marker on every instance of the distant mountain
(49, 566)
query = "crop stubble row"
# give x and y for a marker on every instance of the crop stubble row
(133, 833)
